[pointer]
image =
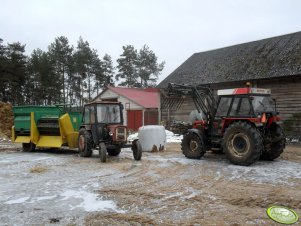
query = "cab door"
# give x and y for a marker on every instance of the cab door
(222, 111)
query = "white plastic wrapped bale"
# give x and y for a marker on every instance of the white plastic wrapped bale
(152, 138)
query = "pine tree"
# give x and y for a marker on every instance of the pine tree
(43, 83)
(147, 67)
(4, 76)
(97, 71)
(108, 70)
(61, 55)
(127, 70)
(88, 68)
(138, 69)
(15, 73)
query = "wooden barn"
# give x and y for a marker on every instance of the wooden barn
(273, 63)
(141, 106)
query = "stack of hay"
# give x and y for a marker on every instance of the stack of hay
(6, 119)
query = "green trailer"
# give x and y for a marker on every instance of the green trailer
(45, 126)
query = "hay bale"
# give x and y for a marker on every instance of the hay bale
(7, 119)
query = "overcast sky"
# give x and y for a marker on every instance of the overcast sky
(173, 29)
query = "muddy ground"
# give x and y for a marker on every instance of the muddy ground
(51, 187)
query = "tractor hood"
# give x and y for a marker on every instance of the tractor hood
(118, 132)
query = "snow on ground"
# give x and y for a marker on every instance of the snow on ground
(170, 137)
(60, 192)
(173, 138)
(164, 188)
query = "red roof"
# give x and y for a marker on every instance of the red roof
(147, 98)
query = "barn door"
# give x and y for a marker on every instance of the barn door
(134, 119)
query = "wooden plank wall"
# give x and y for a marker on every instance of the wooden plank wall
(286, 91)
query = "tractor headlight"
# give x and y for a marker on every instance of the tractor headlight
(111, 133)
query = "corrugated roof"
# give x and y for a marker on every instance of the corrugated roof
(268, 58)
(147, 98)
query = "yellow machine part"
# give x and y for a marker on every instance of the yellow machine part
(67, 132)
(34, 132)
(50, 141)
(22, 139)
(13, 134)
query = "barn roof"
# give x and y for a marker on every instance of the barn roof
(147, 98)
(268, 58)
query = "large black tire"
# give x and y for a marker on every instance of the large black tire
(242, 143)
(102, 152)
(85, 143)
(275, 148)
(193, 146)
(114, 152)
(137, 150)
(28, 147)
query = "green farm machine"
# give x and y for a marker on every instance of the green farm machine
(45, 127)
(100, 126)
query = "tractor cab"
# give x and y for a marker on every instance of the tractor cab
(247, 104)
(103, 128)
(105, 120)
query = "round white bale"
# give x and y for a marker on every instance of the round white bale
(152, 138)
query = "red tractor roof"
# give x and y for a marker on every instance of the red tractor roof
(241, 91)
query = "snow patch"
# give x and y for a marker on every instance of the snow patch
(17, 201)
(170, 137)
(90, 201)
(133, 137)
(46, 197)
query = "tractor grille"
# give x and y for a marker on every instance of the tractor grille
(121, 134)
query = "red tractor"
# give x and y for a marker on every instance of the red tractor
(103, 128)
(243, 124)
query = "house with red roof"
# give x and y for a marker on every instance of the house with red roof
(141, 106)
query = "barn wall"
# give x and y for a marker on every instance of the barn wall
(151, 117)
(286, 91)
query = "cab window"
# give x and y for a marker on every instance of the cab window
(87, 115)
(223, 106)
(235, 105)
(245, 107)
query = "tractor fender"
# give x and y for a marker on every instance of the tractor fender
(87, 127)
(199, 133)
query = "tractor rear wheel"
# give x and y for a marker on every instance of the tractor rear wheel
(85, 143)
(28, 147)
(276, 145)
(114, 152)
(102, 152)
(242, 143)
(193, 146)
(137, 150)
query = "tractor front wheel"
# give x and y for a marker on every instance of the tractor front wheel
(102, 152)
(137, 150)
(85, 143)
(276, 146)
(28, 147)
(242, 143)
(114, 152)
(193, 146)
